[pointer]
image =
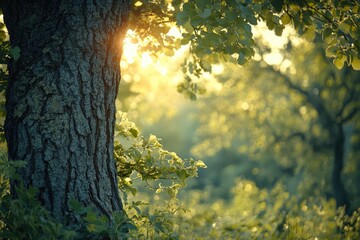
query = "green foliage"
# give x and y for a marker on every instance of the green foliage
(89, 225)
(255, 213)
(151, 20)
(25, 218)
(137, 158)
(223, 28)
(280, 121)
(163, 172)
(218, 31)
(143, 158)
(252, 213)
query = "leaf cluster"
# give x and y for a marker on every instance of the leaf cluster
(215, 29)
(162, 171)
(152, 20)
(144, 158)
(221, 31)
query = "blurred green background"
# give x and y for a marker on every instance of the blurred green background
(279, 136)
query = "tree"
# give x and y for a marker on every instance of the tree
(321, 106)
(64, 76)
(60, 99)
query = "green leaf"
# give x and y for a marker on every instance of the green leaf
(91, 227)
(206, 13)
(172, 192)
(252, 19)
(192, 96)
(134, 131)
(231, 15)
(2, 35)
(306, 17)
(269, 21)
(201, 3)
(278, 5)
(132, 190)
(200, 164)
(196, 21)
(176, 186)
(206, 64)
(182, 174)
(345, 26)
(331, 51)
(241, 58)
(76, 206)
(91, 217)
(355, 63)
(176, 3)
(310, 34)
(327, 35)
(168, 51)
(285, 19)
(339, 61)
(279, 30)
(257, 7)
(182, 18)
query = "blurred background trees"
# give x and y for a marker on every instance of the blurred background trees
(289, 117)
(300, 116)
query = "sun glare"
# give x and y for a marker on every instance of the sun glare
(131, 52)
(130, 49)
(146, 60)
(276, 43)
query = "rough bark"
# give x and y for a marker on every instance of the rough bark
(61, 98)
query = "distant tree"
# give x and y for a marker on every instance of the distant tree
(335, 99)
(301, 115)
(64, 75)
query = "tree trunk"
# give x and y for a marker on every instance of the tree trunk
(340, 193)
(61, 98)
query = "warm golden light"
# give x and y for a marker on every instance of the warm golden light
(130, 49)
(131, 52)
(146, 60)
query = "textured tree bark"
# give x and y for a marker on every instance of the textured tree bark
(61, 98)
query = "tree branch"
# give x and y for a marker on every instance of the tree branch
(350, 115)
(325, 117)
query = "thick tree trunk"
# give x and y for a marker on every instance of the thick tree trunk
(61, 98)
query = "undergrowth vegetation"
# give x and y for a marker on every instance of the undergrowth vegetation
(158, 211)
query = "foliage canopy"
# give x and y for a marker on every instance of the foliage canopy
(221, 30)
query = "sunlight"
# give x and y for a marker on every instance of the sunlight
(276, 43)
(146, 60)
(174, 32)
(273, 58)
(131, 52)
(130, 49)
(217, 69)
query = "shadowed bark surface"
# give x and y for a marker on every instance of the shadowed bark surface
(61, 98)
